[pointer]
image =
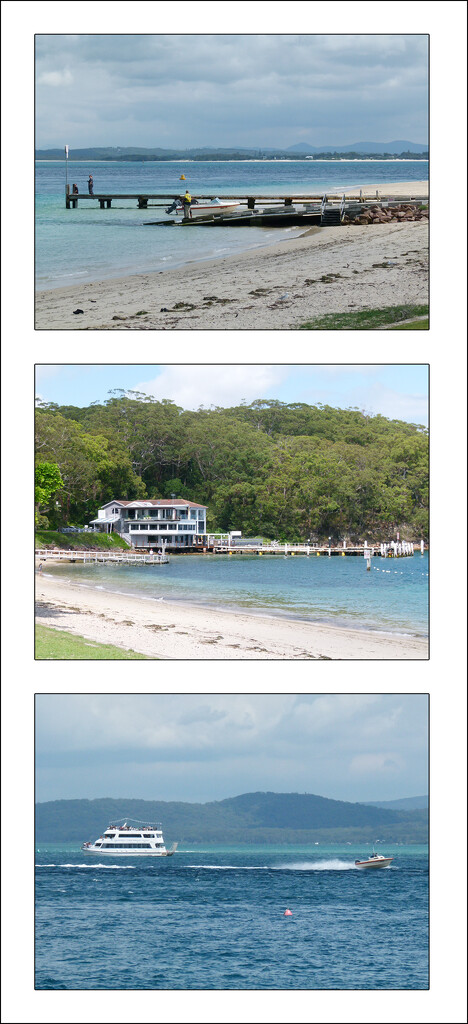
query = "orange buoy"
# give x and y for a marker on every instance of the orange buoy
(287, 913)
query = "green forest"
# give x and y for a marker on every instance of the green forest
(249, 818)
(281, 471)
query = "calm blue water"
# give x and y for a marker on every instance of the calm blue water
(90, 244)
(212, 917)
(392, 597)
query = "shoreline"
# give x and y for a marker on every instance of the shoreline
(272, 287)
(171, 630)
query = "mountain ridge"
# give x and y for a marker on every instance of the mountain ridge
(249, 817)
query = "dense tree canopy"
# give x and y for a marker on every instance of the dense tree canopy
(278, 470)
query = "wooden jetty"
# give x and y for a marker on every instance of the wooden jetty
(394, 549)
(257, 211)
(124, 557)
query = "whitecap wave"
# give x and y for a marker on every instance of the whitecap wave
(93, 867)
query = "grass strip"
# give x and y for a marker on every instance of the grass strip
(79, 541)
(55, 645)
(365, 319)
(414, 325)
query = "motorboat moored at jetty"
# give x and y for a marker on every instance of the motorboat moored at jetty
(204, 209)
(127, 840)
(376, 860)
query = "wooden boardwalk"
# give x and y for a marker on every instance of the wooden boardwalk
(396, 549)
(127, 558)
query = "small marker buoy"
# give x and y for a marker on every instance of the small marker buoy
(182, 177)
(287, 913)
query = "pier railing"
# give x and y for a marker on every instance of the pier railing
(394, 549)
(129, 558)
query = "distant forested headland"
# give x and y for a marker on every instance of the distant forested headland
(402, 150)
(284, 471)
(250, 818)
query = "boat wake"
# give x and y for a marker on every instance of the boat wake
(309, 865)
(318, 865)
(94, 867)
(229, 867)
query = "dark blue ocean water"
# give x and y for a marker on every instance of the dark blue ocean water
(90, 244)
(212, 917)
(392, 597)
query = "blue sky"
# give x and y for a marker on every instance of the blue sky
(230, 90)
(396, 391)
(200, 747)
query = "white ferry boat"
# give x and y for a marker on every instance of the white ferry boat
(124, 840)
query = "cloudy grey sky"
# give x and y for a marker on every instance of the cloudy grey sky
(229, 90)
(199, 747)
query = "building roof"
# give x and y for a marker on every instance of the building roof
(155, 503)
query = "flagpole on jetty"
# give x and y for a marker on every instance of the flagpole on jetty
(66, 170)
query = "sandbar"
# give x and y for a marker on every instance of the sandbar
(170, 630)
(278, 287)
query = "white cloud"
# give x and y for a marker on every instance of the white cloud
(397, 406)
(376, 764)
(224, 385)
(209, 746)
(55, 78)
(204, 86)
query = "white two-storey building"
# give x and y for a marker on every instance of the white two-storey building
(154, 523)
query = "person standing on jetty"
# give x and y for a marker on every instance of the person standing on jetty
(187, 203)
(91, 185)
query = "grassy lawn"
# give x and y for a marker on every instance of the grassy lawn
(55, 645)
(414, 325)
(79, 541)
(368, 319)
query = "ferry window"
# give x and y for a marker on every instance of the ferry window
(124, 835)
(98, 844)
(110, 835)
(150, 836)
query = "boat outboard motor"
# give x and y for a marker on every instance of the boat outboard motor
(176, 203)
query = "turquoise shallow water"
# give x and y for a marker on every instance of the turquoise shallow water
(212, 917)
(90, 244)
(392, 597)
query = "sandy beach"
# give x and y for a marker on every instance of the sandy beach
(278, 287)
(161, 629)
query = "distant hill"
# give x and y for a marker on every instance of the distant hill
(300, 150)
(397, 147)
(409, 803)
(249, 818)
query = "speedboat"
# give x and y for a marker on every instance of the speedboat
(203, 209)
(130, 841)
(376, 860)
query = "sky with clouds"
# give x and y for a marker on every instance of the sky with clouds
(393, 390)
(200, 747)
(230, 90)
